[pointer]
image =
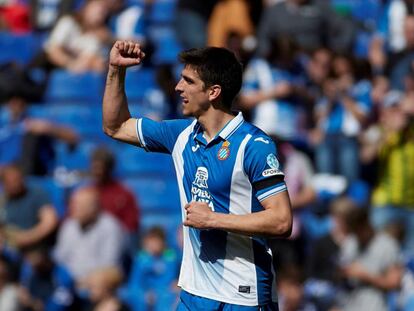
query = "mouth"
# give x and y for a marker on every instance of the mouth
(184, 100)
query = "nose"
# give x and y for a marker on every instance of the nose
(179, 87)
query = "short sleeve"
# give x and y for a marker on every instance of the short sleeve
(62, 31)
(160, 136)
(263, 167)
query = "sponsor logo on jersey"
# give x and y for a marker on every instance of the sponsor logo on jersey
(271, 172)
(224, 151)
(261, 139)
(274, 166)
(195, 148)
(199, 188)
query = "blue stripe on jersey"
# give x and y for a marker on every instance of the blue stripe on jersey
(263, 262)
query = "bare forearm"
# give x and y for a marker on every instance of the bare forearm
(115, 107)
(266, 223)
(59, 57)
(383, 282)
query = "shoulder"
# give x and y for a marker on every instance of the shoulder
(258, 139)
(108, 221)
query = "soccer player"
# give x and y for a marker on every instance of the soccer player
(232, 191)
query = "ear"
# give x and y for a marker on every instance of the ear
(214, 92)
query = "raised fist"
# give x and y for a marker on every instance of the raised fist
(126, 54)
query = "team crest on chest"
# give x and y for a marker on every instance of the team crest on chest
(224, 151)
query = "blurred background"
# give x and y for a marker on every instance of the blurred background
(87, 223)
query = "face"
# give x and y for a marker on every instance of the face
(94, 14)
(320, 65)
(100, 171)
(13, 182)
(409, 32)
(84, 206)
(153, 245)
(195, 97)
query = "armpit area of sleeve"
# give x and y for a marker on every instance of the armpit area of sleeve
(140, 134)
(264, 193)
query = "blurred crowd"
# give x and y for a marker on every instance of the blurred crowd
(332, 81)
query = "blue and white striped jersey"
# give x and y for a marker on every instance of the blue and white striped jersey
(232, 173)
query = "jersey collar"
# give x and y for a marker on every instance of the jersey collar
(224, 133)
(231, 126)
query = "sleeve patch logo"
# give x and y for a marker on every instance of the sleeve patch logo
(272, 161)
(274, 166)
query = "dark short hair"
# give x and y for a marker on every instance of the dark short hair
(157, 232)
(104, 155)
(359, 218)
(216, 66)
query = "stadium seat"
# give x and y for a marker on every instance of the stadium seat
(138, 82)
(65, 86)
(136, 161)
(19, 48)
(85, 119)
(56, 193)
(166, 44)
(76, 159)
(162, 12)
(156, 195)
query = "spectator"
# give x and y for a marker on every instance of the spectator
(230, 16)
(89, 238)
(191, 21)
(75, 43)
(299, 175)
(45, 14)
(114, 197)
(394, 17)
(14, 16)
(8, 291)
(340, 116)
(291, 291)
(311, 23)
(29, 141)
(391, 144)
(152, 283)
(323, 261)
(269, 89)
(395, 66)
(370, 264)
(45, 285)
(28, 217)
(102, 285)
(127, 21)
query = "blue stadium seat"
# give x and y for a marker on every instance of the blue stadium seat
(138, 82)
(56, 193)
(136, 161)
(65, 86)
(162, 12)
(19, 48)
(76, 159)
(156, 195)
(166, 44)
(85, 119)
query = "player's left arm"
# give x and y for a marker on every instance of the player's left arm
(274, 221)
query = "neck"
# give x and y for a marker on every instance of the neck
(213, 121)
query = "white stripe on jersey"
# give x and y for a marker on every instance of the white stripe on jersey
(271, 192)
(139, 133)
(177, 155)
(240, 270)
